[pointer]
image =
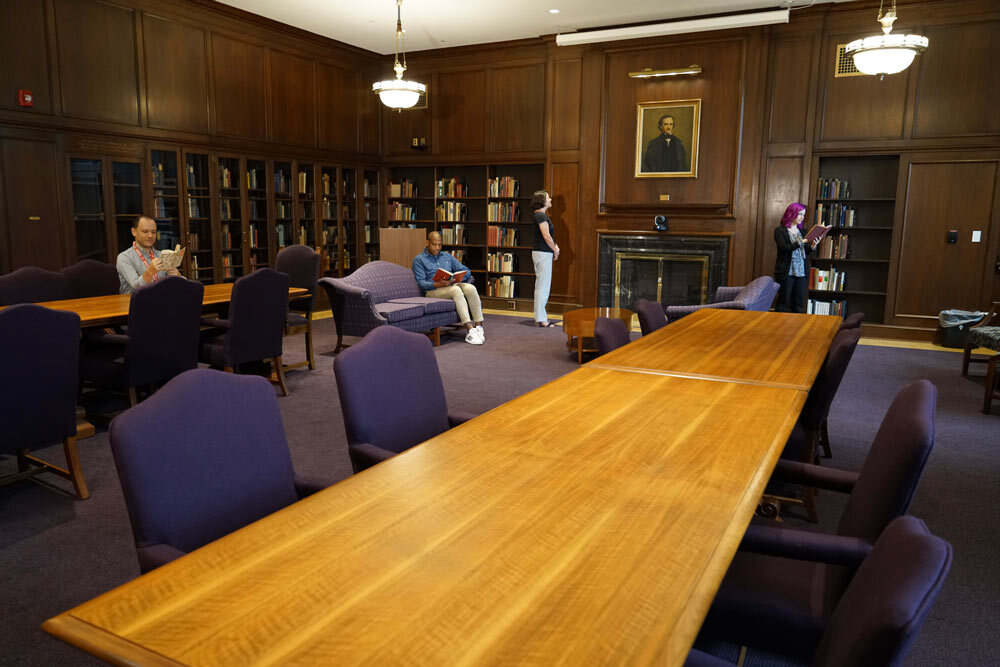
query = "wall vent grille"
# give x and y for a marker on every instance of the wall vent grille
(844, 65)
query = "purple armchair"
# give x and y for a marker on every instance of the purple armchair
(164, 325)
(758, 294)
(391, 394)
(381, 293)
(651, 316)
(89, 277)
(201, 458)
(779, 567)
(610, 334)
(38, 384)
(301, 264)
(878, 616)
(30, 284)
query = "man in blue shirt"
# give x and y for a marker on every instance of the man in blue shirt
(470, 310)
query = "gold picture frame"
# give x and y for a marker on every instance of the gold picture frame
(670, 151)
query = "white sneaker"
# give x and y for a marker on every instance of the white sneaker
(482, 334)
(473, 337)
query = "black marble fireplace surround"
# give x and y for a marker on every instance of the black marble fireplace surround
(684, 269)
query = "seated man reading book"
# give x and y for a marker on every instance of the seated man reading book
(441, 276)
(141, 263)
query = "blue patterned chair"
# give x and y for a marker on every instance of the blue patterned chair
(758, 294)
(382, 293)
(982, 335)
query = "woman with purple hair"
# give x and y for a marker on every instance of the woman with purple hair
(791, 266)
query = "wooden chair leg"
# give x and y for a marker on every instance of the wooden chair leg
(279, 370)
(133, 399)
(966, 354)
(340, 344)
(436, 336)
(824, 441)
(991, 382)
(309, 343)
(75, 469)
(227, 369)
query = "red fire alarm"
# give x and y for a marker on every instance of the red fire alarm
(24, 98)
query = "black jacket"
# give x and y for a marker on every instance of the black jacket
(783, 261)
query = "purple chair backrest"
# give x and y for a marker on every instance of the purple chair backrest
(820, 397)
(88, 277)
(610, 334)
(257, 315)
(895, 462)
(164, 324)
(301, 264)
(39, 378)
(651, 316)
(30, 284)
(202, 457)
(852, 321)
(758, 294)
(884, 607)
(390, 390)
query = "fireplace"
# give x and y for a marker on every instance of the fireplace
(672, 270)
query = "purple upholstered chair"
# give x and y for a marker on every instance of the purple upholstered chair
(89, 277)
(301, 264)
(610, 334)
(651, 316)
(30, 284)
(852, 321)
(164, 325)
(758, 294)
(773, 566)
(201, 458)
(256, 324)
(879, 615)
(38, 385)
(391, 394)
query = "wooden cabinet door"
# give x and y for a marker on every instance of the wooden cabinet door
(35, 233)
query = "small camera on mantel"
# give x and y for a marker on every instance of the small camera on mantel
(660, 223)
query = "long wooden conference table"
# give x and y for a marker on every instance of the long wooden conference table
(588, 521)
(100, 311)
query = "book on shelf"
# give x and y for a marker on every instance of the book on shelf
(819, 307)
(225, 176)
(253, 235)
(451, 210)
(816, 233)
(834, 247)
(827, 280)
(502, 212)
(504, 186)
(833, 188)
(398, 211)
(502, 236)
(452, 187)
(303, 235)
(501, 262)
(441, 274)
(366, 188)
(459, 255)
(281, 182)
(190, 177)
(404, 188)
(251, 179)
(836, 215)
(453, 235)
(193, 241)
(504, 287)
(326, 184)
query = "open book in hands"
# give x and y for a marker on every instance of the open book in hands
(816, 233)
(172, 258)
(448, 276)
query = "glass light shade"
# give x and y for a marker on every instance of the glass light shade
(399, 94)
(885, 54)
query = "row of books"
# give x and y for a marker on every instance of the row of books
(370, 209)
(505, 262)
(370, 234)
(160, 179)
(453, 235)
(194, 209)
(229, 209)
(329, 236)
(283, 209)
(502, 236)
(828, 280)
(192, 180)
(229, 239)
(451, 211)
(254, 235)
(504, 287)
(833, 188)
(452, 187)
(304, 184)
(459, 254)
(252, 182)
(835, 307)
(368, 189)
(327, 184)
(834, 247)
(282, 182)
(505, 186)
(406, 188)
(836, 215)
(399, 211)
(164, 208)
(502, 212)
(226, 177)
(229, 266)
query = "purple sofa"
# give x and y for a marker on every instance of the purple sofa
(381, 293)
(758, 294)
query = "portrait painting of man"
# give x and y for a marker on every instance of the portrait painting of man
(667, 139)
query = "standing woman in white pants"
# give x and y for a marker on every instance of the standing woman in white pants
(543, 253)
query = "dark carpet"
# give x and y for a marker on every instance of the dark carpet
(56, 552)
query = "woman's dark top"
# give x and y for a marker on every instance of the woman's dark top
(783, 262)
(540, 244)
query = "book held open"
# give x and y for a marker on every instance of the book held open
(172, 258)
(441, 274)
(816, 233)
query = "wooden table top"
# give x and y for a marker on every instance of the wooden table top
(588, 521)
(583, 319)
(783, 349)
(113, 308)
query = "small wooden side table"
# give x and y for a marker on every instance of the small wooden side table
(579, 324)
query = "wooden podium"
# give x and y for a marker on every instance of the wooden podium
(400, 246)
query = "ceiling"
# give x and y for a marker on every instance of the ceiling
(433, 24)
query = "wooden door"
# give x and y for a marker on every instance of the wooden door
(34, 229)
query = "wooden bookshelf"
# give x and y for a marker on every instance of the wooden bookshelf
(368, 211)
(856, 195)
(484, 215)
(103, 215)
(199, 211)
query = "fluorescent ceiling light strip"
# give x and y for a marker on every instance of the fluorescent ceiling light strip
(674, 28)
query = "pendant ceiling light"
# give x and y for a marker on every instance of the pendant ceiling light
(886, 53)
(398, 93)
